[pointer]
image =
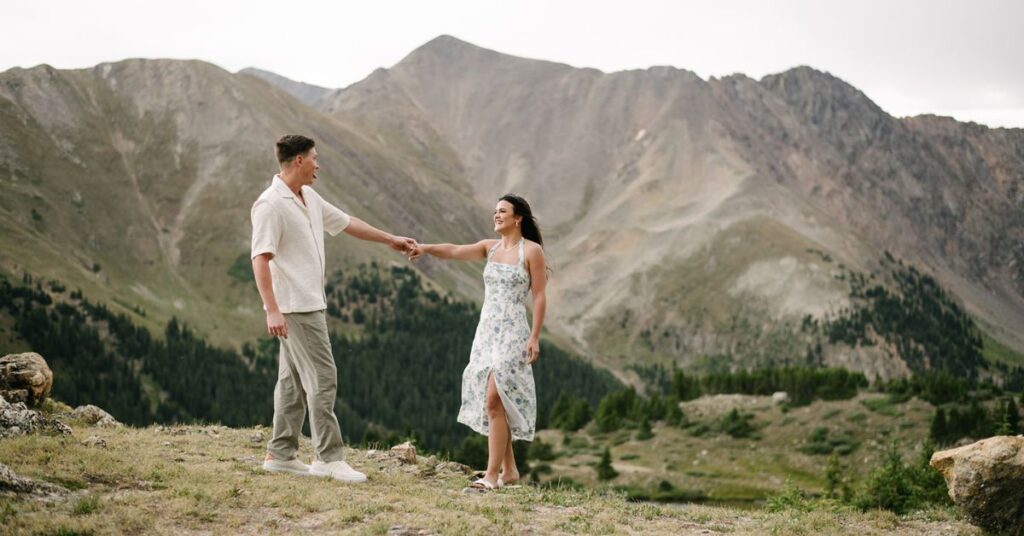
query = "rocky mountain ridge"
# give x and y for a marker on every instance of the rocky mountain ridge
(687, 220)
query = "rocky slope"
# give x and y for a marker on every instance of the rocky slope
(133, 181)
(694, 217)
(688, 220)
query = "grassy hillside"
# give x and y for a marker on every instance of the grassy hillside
(701, 462)
(175, 480)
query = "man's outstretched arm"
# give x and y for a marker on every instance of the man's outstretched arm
(364, 231)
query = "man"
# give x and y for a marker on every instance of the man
(288, 224)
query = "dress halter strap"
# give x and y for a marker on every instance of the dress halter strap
(490, 252)
(522, 253)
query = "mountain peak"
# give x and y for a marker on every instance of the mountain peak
(446, 48)
(806, 78)
(818, 95)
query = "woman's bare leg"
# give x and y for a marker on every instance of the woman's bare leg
(498, 436)
(509, 471)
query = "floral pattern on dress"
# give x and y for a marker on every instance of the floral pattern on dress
(500, 346)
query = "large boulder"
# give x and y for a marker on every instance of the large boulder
(95, 415)
(25, 378)
(986, 481)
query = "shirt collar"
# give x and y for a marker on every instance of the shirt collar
(281, 187)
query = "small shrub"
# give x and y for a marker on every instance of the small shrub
(645, 431)
(540, 450)
(698, 429)
(881, 406)
(737, 424)
(473, 451)
(86, 505)
(887, 486)
(605, 471)
(900, 488)
(790, 498)
(821, 444)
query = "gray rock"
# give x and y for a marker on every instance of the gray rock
(17, 419)
(454, 467)
(25, 378)
(257, 437)
(780, 397)
(9, 481)
(402, 530)
(94, 441)
(986, 481)
(95, 416)
(405, 453)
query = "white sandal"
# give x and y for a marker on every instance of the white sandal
(481, 485)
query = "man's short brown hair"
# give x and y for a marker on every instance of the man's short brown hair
(292, 145)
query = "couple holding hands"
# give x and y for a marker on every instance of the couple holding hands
(498, 396)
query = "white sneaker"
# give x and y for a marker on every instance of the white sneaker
(338, 470)
(293, 466)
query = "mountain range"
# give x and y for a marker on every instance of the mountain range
(687, 221)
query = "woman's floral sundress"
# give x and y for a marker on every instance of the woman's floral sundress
(500, 347)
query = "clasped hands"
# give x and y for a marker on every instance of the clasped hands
(406, 246)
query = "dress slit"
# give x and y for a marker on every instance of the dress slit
(515, 419)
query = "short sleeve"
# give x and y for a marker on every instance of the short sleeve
(266, 228)
(335, 219)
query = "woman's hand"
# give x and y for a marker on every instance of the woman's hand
(532, 350)
(416, 252)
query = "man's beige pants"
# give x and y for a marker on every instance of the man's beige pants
(307, 376)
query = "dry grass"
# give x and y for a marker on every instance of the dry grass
(207, 480)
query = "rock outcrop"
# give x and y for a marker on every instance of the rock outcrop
(9, 481)
(95, 416)
(18, 419)
(25, 378)
(406, 453)
(986, 481)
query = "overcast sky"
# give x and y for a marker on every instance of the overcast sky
(964, 59)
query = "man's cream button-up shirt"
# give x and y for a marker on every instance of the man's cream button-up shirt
(294, 234)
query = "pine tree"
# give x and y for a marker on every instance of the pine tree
(605, 471)
(645, 432)
(673, 415)
(833, 477)
(939, 428)
(1012, 417)
(1009, 425)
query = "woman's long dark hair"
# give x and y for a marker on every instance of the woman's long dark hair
(531, 231)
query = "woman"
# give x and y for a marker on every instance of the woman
(498, 395)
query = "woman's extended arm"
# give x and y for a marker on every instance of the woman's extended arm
(466, 252)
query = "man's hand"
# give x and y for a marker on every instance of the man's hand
(276, 325)
(403, 245)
